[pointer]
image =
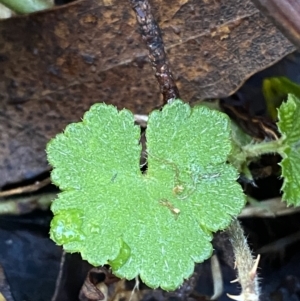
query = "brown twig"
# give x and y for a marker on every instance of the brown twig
(59, 276)
(217, 277)
(26, 204)
(151, 34)
(25, 189)
(268, 208)
(280, 244)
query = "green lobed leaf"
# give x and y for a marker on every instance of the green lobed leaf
(289, 127)
(157, 224)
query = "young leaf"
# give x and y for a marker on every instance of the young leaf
(157, 224)
(289, 126)
(275, 91)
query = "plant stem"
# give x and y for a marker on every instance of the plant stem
(151, 34)
(245, 264)
(27, 6)
(241, 155)
(262, 148)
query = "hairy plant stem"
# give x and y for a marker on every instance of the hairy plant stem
(262, 148)
(245, 264)
(151, 34)
(254, 150)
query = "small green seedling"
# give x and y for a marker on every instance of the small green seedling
(156, 224)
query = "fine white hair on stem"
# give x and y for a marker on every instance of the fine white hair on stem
(245, 264)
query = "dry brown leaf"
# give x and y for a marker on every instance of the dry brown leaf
(56, 63)
(285, 14)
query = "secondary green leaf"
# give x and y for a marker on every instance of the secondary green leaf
(157, 224)
(289, 126)
(275, 91)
